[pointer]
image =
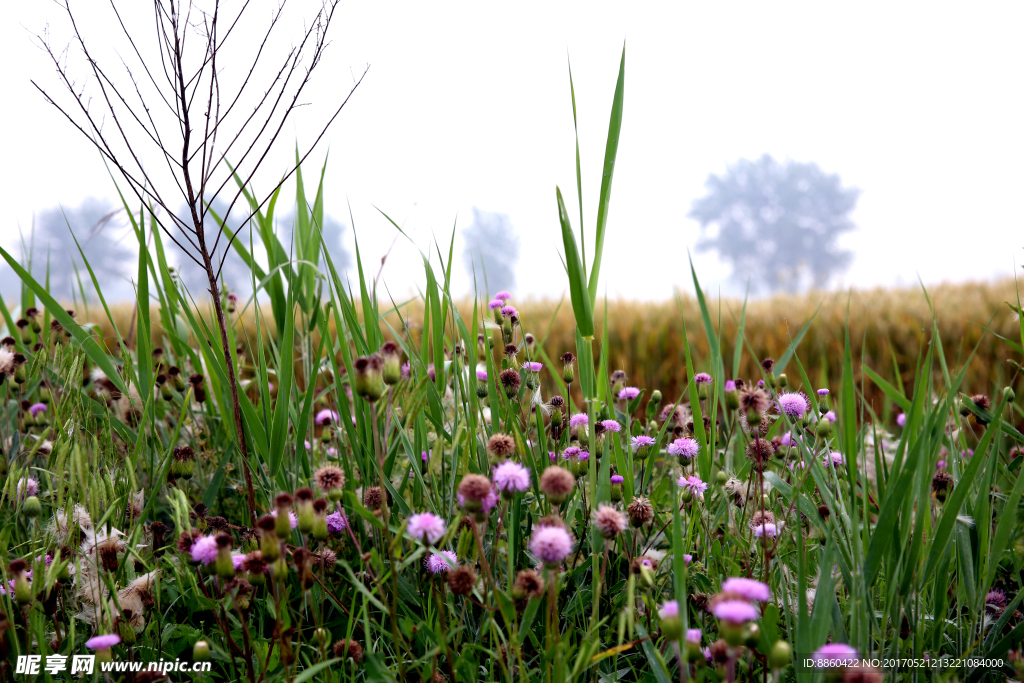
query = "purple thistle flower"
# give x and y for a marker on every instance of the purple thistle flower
(793, 404)
(966, 455)
(687, 558)
(336, 522)
(901, 420)
(830, 416)
(702, 378)
(684, 447)
(426, 525)
(430, 372)
(834, 652)
(642, 441)
(552, 456)
(204, 550)
(509, 312)
(326, 417)
(572, 452)
(669, 610)
(495, 304)
(424, 456)
(735, 611)
(760, 384)
(481, 375)
(823, 392)
(37, 408)
(407, 370)
(834, 458)
(800, 464)
(27, 486)
(730, 385)
(694, 485)
(577, 420)
(706, 651)
(629, 393)
(611, 426)
(103, 642)
(750, 589)
(767, 529)
(940, 464)
(511, 477)
(789, 439)
(996, 597)
(693, 635)
(533, 366)
(551, 544)
(441, 562)
(617, 479)
(237, 560)
(503, 295)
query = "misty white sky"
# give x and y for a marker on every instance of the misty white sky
(917, 104)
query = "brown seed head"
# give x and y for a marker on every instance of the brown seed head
(461, 579)
(640, 511)
(529, 583)
(557, 481)
(501, 445)
(373, 498)
(329, 477)
(346, 649)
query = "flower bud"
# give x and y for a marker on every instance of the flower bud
(1008, 394)
(568, 370)
(224, 565)
(319, 519)
(781, 655)
(369, 377)
(671, 627)
(322, 636)
(824, 428)
(201, 651)
(304, 509)
(22, 587)
(283, 524)
(722, 477)
(32, 507)
(392, 356)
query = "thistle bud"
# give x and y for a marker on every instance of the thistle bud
(322, 636)
(616, 488)
(392, 356)
(20, 371)
(22, 587)
(369, 377)
(568, 369)
(824, 428)
(182, 466)
(224, 565)
(304, 509)
(166, 393)
(32, 507)
(721, 477)
(781, 655)
(201, 651)
(320, 519)
(653, 403)
(732, 395)
(754, 418)
(1008, 394)
(283, 524)
(783, 380)
(174, 374)
(618, 382)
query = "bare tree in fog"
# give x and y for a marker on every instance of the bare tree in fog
(491, 251)
(186, 94)
(778, 224)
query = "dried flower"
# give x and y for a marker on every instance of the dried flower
(609, 521)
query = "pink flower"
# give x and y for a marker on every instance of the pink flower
(687, 558)
(735, 611)
(767, 529)
(750, 589)
(577, 420)
(669, 610)
(533, 366)
(27, 486)
(426, 525)
(834, 652)
(509, 312)
(617, 479)
(204, 550)
(406, 370)
(611, 426)
(835, 458)
(103, 642)
(629, 393)
(238, 559)
(693, 635)
(642, 441)
(503, 295)
(830, 416)
(793, 404)
(901, 420)
(495, 304)
(336, 522)
(326, 417)
(440, 562)
(37, 408)
(511, 477)
(694, 485)
(481, 375)
(551, 544)
(684, 447)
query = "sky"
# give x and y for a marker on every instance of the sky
(467, 105)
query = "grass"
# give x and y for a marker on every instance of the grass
(127, 512)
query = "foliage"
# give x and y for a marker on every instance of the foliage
(125, 494)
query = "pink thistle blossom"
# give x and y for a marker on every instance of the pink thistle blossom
(577, 420)
(750, 589)
(793, 404)
(426, 525)
(551, 544)
(611, 426)
(629, 393)
(511, 477)
(204, 550)
(441, 562)
(735, 611)
(669, 610)
(684, 447)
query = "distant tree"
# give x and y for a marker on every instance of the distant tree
(491, 251)
(777, 223)
(108, 246)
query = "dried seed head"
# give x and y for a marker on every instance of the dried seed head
(640, 511)
(474, 487)
(528, 583)
(329, 477)
(461, 579)
(346, 648)
(373, 498)
(557, 483)
(501, 446)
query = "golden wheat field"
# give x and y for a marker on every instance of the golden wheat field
(889, 328)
